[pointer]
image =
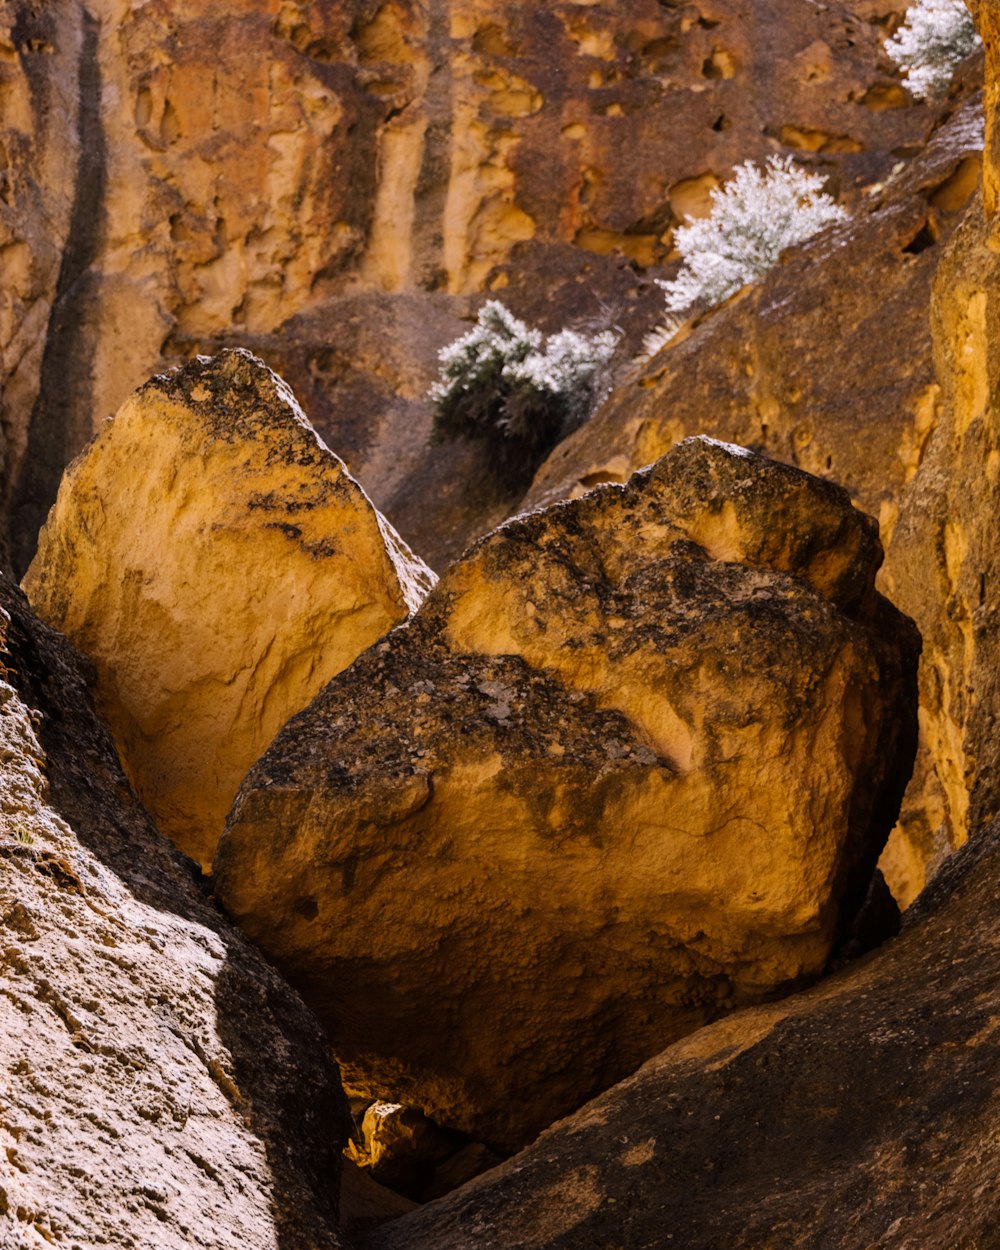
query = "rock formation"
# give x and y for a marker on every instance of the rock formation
(218, 564)
(761, 372)
(860, 1113)
(629, 767)
(162, 1086)
(177, 179)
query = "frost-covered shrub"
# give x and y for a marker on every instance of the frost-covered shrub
(506, 385)
(934, 39)
(754, 217)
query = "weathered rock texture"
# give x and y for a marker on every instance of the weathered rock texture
(826, 364)
(629, 767)
(262, 172)
(219, 565)
(861, 1113)
(161, 1085)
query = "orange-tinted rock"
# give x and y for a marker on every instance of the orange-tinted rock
(232, 169)
(629, 767)
(219, 565)
(827, 363)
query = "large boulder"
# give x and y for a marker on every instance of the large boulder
(629, 767)
(219, 565)
(162, 1086)
(863, 1112)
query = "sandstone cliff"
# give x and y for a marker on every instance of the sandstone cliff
(219, 565)
(162, 1086)
(286, 176)
(629, 767)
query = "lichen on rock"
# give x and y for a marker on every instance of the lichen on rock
(629, 767)
(219, 565)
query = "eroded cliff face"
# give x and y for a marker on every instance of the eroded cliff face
(267, 174)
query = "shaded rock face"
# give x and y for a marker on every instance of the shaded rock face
(629, 767)
(945, 560)
(218, 564)
(860, 1113)
(181, 180)
(760, 371)
(162, 1086)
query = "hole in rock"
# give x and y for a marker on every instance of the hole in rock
(599, 477)
(399, 1148)
(925, 237)
(955, 191)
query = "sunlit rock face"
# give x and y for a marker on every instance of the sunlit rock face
(181, 178)
(629, 767)
(162, 1085)
(826, 363)
(219, 565)
(862, 1112)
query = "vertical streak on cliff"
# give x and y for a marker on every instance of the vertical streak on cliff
(405, 242)
(61, 417)
(431, 191)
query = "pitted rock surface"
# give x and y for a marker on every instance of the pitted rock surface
(181, 178)
(219, 565)
(629, 767)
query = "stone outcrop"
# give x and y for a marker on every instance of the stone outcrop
(629, 767)
(860, 1113)
(760, 371)
(162, 1086)
(178, 179)
(219, 565)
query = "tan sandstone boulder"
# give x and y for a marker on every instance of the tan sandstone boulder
(162, 1086)
(629, 767)
(219, 565)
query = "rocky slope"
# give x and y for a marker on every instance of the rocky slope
(629, 767)
(331, 183)
(162, 1085)
(219, 565)
(860, 1113)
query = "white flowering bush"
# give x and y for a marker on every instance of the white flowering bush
(506, 385)
(754, 217)
(934, 39)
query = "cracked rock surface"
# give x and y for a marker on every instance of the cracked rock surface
(629, 767)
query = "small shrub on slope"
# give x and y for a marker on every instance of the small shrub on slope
(934, 39)
(505, 385)
(754, 217)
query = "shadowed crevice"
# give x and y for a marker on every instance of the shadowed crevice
(61, 417)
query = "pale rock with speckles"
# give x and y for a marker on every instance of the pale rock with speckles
(162, 1086)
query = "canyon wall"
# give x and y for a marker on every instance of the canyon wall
(330, 184)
